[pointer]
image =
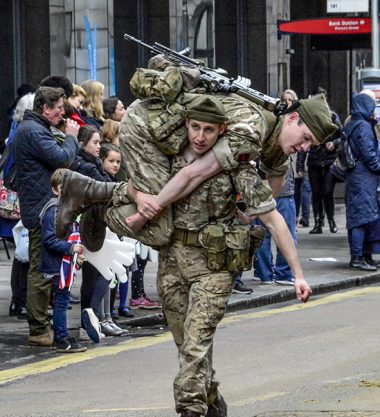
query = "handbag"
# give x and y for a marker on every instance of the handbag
(9, 203)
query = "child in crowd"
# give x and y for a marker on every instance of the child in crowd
(111, 158)
(52, 252)
(94, 285)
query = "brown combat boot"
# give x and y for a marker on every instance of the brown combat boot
(93, 227)
(77, 193)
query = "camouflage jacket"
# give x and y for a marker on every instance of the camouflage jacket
(214, 201)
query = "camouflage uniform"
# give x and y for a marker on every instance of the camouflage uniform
(252, 131)
(194, 298)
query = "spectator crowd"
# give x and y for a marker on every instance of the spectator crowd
(61, 125)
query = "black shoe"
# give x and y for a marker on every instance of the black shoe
(218, 408)
(240, 288)
(332, 224)
(69, 345)
(188, 413)
(22, 313)
(371, 261)
(317, 229)
(357, 262)
(125, 312)
(13, 309)
(304, 222)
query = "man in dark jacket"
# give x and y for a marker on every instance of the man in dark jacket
(37, 155)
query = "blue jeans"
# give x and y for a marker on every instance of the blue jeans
(61, 304)
(305, 198)
(364, 239)
(263, 263)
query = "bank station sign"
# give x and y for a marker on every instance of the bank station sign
(328, 26)
(347, 6)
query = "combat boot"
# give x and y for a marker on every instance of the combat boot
(92, 227)
(317, 229)
(188, 413)
(77, 193)
(218, 408)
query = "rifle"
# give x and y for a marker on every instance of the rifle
(214, 80)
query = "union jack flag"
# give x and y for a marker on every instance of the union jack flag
(69, 265)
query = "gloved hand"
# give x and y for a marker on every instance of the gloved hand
(112, 258)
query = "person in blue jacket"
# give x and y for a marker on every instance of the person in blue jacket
(362, 205)
(37, 155)
(52, 252)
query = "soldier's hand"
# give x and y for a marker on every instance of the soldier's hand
(72, 127)
(303, 290)
(146, 205)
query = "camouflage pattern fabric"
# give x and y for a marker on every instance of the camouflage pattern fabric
(194, 301)
(157, 232)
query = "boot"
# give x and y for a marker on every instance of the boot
(358, 262)
(370, 261)
(188, 413)
(77, 193)
(332, 224)
(93, 227)
(218, 408)
(317, 229)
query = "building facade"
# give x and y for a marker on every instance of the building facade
(84, 39)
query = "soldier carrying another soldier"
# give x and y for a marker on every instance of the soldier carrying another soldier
(198, 261)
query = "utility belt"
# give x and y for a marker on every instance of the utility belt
(227, 247)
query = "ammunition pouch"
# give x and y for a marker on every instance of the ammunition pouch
(238, 256)
(187, 237)
(212, 238)
(168, 129)
(257, 234)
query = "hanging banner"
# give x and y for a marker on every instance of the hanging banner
(91, 47)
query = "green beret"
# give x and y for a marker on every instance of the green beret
(206, 108)
(316, 113)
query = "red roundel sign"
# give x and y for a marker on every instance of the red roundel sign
(328, 26)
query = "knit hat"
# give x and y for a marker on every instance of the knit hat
(316, 113)
(205, 108)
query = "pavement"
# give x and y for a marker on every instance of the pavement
(323, 276)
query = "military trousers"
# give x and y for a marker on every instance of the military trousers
(156, 232)
(39, 289)
(194, 301)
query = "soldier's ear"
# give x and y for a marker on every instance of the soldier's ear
(293, 117)
(222, 128)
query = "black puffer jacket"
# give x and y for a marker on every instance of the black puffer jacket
(37, 155)
(90, 166)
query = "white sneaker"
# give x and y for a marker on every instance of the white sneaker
(109, 330)
(114, 326)
(82, 335)
(91, 324)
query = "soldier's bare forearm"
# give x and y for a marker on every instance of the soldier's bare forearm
(277, 184)
(281, 235)
(188, 179)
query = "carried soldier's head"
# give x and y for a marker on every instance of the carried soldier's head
(206, 121)
(310, 124)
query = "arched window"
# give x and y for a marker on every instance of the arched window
(204, 33)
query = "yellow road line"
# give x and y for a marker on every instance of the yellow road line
(62, 361)
(334, 298)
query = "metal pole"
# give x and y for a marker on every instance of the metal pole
(375, 33)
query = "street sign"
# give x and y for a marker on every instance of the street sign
(347, 6)
(328, 26)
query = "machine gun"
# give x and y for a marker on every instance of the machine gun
(214, 80)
